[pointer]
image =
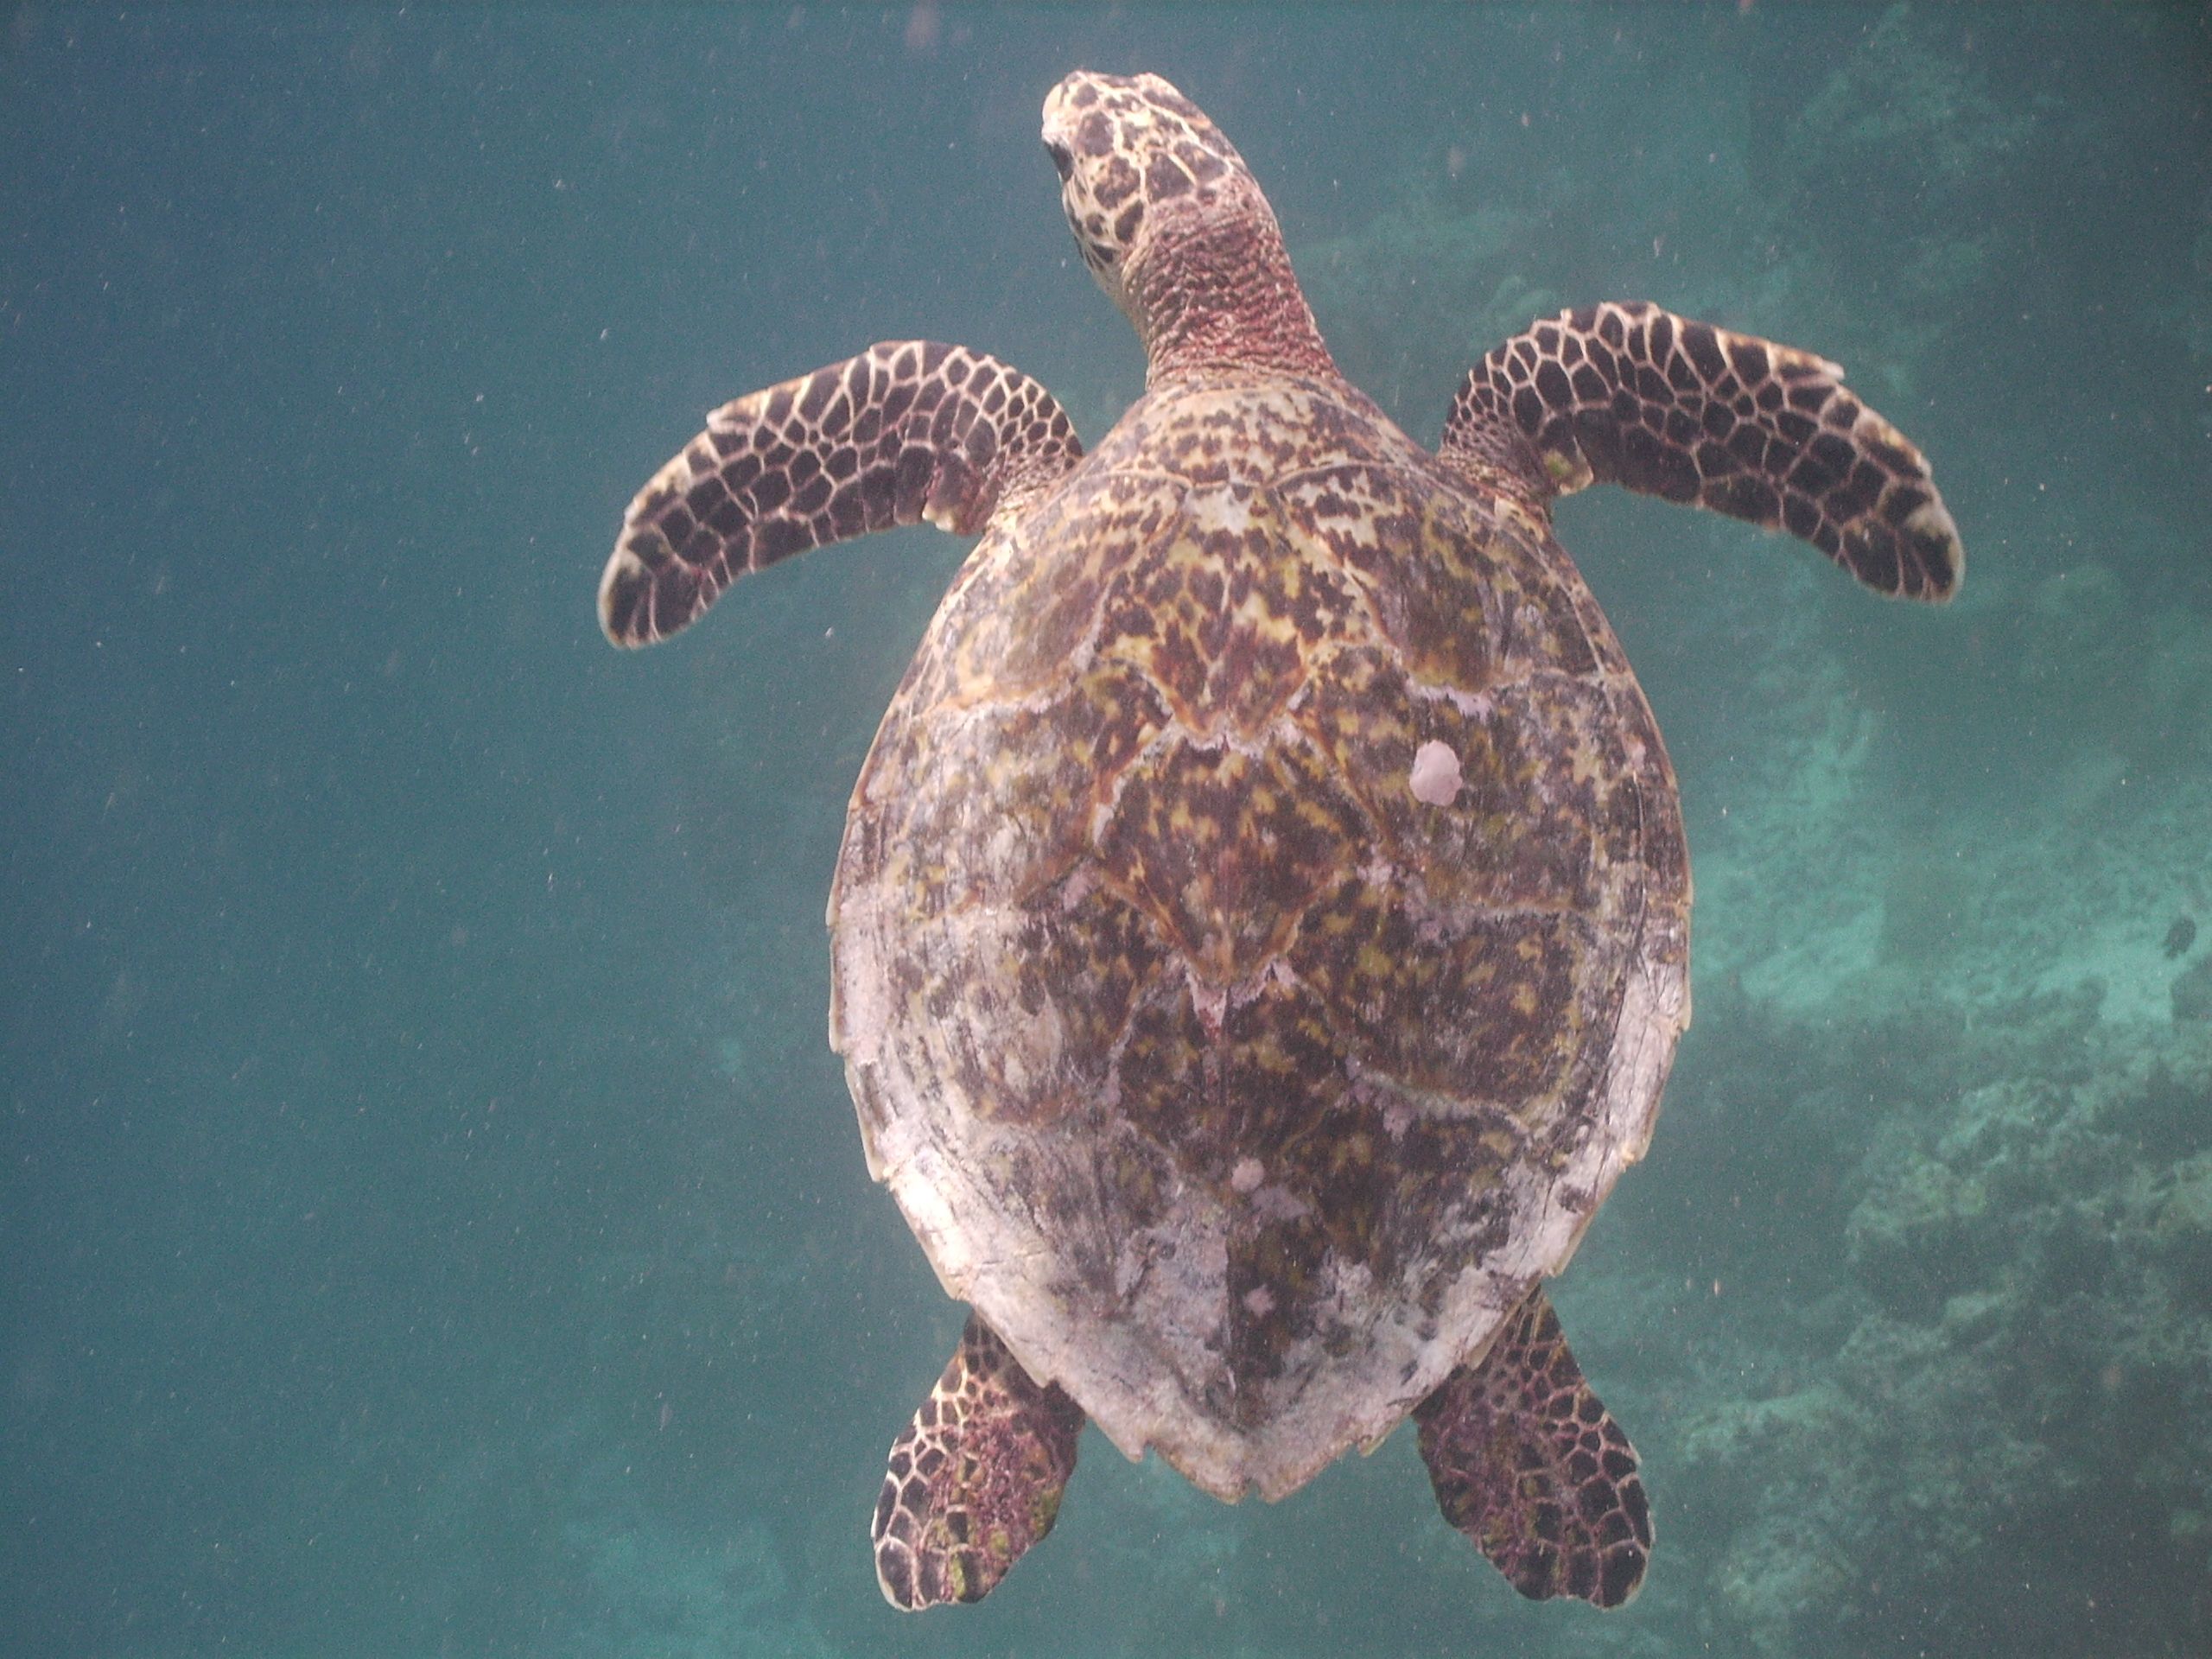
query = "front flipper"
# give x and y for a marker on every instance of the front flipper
(907, 430)
(1628, 394)
(976, 1479)
(1527, 1463)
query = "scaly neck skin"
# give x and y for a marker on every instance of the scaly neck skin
(1226, 299)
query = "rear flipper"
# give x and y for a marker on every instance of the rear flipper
(976, 1479)
(1527, 1463)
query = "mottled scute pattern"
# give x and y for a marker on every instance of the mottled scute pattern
(1528, 1463)
(974, 1480)
(908, 431)
(1240, 1090)
(1626, 393)
(1122, 142)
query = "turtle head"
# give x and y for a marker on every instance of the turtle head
(1174, 226)
(1134, 155)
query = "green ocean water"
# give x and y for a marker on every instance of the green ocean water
(431, 1219)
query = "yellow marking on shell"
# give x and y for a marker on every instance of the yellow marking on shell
(1509, 509)
(1220, 611)
(1389, 1020)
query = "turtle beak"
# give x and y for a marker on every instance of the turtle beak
(1062, 157)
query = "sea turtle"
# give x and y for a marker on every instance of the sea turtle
(1261, 933)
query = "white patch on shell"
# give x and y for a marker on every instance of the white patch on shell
(1247, 1176)
(1436, 774)
(1278, 1203)
(1209, 1003)
(1218, 507)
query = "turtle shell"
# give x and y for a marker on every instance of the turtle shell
(1260, 931)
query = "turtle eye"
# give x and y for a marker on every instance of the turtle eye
(1062, 157)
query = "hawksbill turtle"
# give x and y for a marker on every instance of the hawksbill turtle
(1260, 932)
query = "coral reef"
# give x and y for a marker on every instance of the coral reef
(1991, 1364)
(2026, 1382)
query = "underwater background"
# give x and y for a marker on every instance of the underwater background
(431, 1220)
